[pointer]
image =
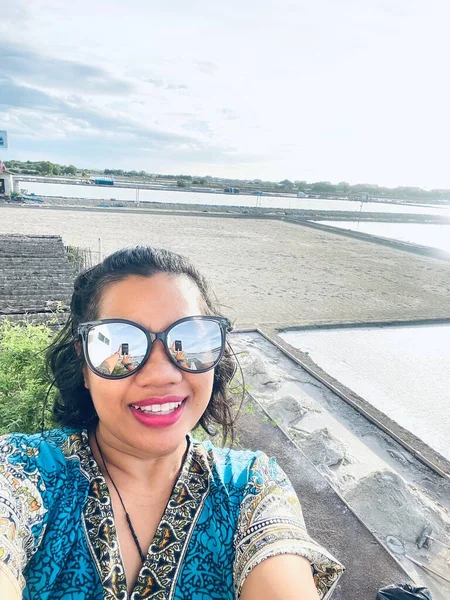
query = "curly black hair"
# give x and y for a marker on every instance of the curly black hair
(73, 406)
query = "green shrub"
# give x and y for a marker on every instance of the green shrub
(23, 380)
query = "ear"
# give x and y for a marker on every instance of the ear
(77, 346)
(86, 381)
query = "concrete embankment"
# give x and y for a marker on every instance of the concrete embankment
(398, 487)
(242, 211)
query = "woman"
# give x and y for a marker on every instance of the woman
(121, 502)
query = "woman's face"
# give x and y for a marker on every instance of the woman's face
(155, 303)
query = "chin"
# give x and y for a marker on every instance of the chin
(157, 442)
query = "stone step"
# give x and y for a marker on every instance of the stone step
(37, 318)
(19, 239)
(44, 287)
(30, 305)
(42, 265)
(34, 293)
(35, 296)
(18, 274)
(20, 286)
(18, 281)
(33, 260)
(50, 273)
(32, 251)
(35, 275)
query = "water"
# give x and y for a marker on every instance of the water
(402, 371)
(180, 197)
(422, 234)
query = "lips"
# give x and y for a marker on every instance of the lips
(159, 400)
(162, 412)
(156, 409)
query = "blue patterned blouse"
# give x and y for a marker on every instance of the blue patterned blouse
(228, 511)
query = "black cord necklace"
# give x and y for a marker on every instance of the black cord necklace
(130, 524)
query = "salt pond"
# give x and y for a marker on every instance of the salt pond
(422, 234)
(402, 371)
(214, 199)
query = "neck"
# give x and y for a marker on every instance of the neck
(127, 464)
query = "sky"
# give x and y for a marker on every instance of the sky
(316, 90)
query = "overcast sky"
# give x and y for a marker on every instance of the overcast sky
(316, 90)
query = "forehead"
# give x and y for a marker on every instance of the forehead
(155, 302)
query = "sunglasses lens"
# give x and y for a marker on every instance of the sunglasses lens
(116, 349)
(196, 345)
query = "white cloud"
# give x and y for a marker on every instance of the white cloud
(318, 90)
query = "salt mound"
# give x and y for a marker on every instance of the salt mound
(261, 372)
(323, 449)
(388, 506)
(288, 411)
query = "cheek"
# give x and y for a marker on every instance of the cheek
(105, 394)
(202, 385)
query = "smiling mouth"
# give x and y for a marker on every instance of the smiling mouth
(159, 409)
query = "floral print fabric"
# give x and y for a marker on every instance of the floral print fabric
(228, 511)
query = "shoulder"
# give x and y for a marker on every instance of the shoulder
(33, 477)
(232, 467)
(44, 453)
(246, 474)
(38, 470)
(52, 441)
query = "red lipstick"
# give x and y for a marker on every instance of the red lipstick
(167, 410)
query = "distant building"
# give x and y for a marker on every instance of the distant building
(301, 195)
(6, 182)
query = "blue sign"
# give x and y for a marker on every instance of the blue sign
(3, 139)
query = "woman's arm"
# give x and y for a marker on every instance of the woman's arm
(107, 366)
(10, 589)
(275, 558)
(284, 577)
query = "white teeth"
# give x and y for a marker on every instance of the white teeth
(159, 409)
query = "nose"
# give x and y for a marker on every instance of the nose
(158, 370)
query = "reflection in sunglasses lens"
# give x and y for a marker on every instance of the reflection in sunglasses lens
(116, 349)
(195, 345)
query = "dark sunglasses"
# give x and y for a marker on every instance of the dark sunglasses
(117, 348)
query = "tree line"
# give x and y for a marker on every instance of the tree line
(43, 167)
(47, 168)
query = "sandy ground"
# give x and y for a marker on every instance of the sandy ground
(266, 272)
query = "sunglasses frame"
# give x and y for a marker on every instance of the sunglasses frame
(84, 329)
